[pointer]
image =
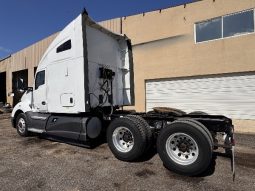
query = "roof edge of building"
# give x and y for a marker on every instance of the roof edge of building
(2, 59)
(6, 57)
(153, 10)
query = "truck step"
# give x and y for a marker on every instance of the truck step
(36, 130)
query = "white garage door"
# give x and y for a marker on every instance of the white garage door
(232, 96)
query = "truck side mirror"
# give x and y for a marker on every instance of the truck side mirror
(29, 89)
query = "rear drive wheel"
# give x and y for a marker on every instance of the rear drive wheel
(145, 125)
(126, 139)
(21, 125)
(185, 148)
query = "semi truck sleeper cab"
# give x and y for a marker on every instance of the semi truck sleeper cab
(82, 83)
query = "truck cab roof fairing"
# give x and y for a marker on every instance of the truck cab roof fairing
(72, 63)
(93, 24)
(76, 24)
(87, 22)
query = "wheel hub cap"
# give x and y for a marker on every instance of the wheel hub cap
(183, 147)
(21, 125)
(127, 137)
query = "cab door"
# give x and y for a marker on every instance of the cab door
(39, 93)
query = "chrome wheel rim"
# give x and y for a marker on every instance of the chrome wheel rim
(21, 125)
(182, 148)
(123, 139)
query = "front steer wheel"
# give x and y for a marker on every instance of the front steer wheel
(185, 148)
(21, 125)
(127, 139)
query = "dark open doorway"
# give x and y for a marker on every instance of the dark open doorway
(35, 68)
(3, 87)
(19, 77)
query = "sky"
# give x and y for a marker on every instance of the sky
(24, 22)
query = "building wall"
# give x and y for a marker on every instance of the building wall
(114, 25)
(27, 58)
(164, 46)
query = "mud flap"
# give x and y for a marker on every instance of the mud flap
(229, 143)
(233, 162)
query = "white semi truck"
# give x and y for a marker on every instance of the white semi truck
(82, 83)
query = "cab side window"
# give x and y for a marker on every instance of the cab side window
(65, 46)
(40, 79)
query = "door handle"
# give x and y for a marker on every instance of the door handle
(43, 103)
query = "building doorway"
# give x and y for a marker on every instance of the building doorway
(35, 68)
(3, 88)
(18, 78)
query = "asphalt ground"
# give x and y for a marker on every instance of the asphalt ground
(36, 163)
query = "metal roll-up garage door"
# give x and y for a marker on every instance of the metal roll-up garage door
(232, 96)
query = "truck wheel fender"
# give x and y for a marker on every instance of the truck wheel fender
(21, 107)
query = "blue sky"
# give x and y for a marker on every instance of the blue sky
(24, 22)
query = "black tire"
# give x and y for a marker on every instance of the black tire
(21, 125)
(139, 139)
(145, 125)
(204, 155)
(209, 135)
(198, 113)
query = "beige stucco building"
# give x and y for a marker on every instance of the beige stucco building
(198, 56)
